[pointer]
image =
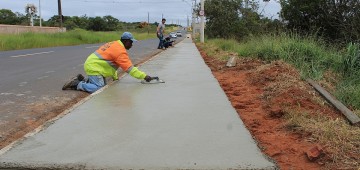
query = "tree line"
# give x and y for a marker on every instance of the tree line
(332, 20)
(105, 23)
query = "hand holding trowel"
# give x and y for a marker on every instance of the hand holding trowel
(152, 80)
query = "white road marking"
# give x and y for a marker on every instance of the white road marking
(32, 54)
(7, 103)
(7, 94)
(39, 78)
(13, 94)
(49, 72)
(23, 83)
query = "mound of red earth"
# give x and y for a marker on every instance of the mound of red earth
(261, 92)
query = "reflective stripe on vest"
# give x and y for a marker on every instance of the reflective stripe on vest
(109, 62)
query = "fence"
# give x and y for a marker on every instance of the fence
(16, 29)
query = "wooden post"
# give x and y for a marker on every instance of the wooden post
(353, 118)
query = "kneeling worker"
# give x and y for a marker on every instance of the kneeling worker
(104, 62)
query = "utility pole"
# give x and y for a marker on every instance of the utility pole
(148, 22)
(40, 13)
(60, 14)
(202, 13)
(193, 20)
(187, 21)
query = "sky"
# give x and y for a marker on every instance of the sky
(175, 11)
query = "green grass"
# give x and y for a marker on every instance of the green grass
(339, 142)
(312, 57)
(74, 37)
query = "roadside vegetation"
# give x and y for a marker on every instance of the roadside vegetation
(320, 44)
(73, 37)
(337, 69)
(80, 30)
(327, 65)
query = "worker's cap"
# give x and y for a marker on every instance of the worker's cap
(128, 36)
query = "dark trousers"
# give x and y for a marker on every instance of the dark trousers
(161, 43)
(166, 44)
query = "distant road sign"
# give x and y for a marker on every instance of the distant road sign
(201, 13)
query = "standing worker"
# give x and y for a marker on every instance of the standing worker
(160, 33)
(104, 62)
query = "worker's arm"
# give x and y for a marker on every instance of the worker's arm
(158, 30)
(123, 60)
(136, 73)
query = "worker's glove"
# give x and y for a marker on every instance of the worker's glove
(148, 78)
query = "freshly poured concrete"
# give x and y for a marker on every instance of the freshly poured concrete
(185, 123)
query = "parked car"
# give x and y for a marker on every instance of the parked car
(179, 34)
(173, 35)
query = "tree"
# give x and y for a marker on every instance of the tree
(53, 21)
(8, 17)
(21, 19)
(111, 23)
(333, 19)
(81, 22)
(70, 24)
(97, 24)
(222, 17)
(232, 18)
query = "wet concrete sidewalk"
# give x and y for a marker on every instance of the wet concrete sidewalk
(185, 123)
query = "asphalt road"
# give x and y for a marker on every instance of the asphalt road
(31, 82)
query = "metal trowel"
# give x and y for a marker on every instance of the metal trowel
(155, 80)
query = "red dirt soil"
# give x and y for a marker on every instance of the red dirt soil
(260, 92)
(37, 114)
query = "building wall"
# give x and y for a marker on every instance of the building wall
(16, 29)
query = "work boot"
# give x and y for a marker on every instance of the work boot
(80, 77)
(72, 84)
